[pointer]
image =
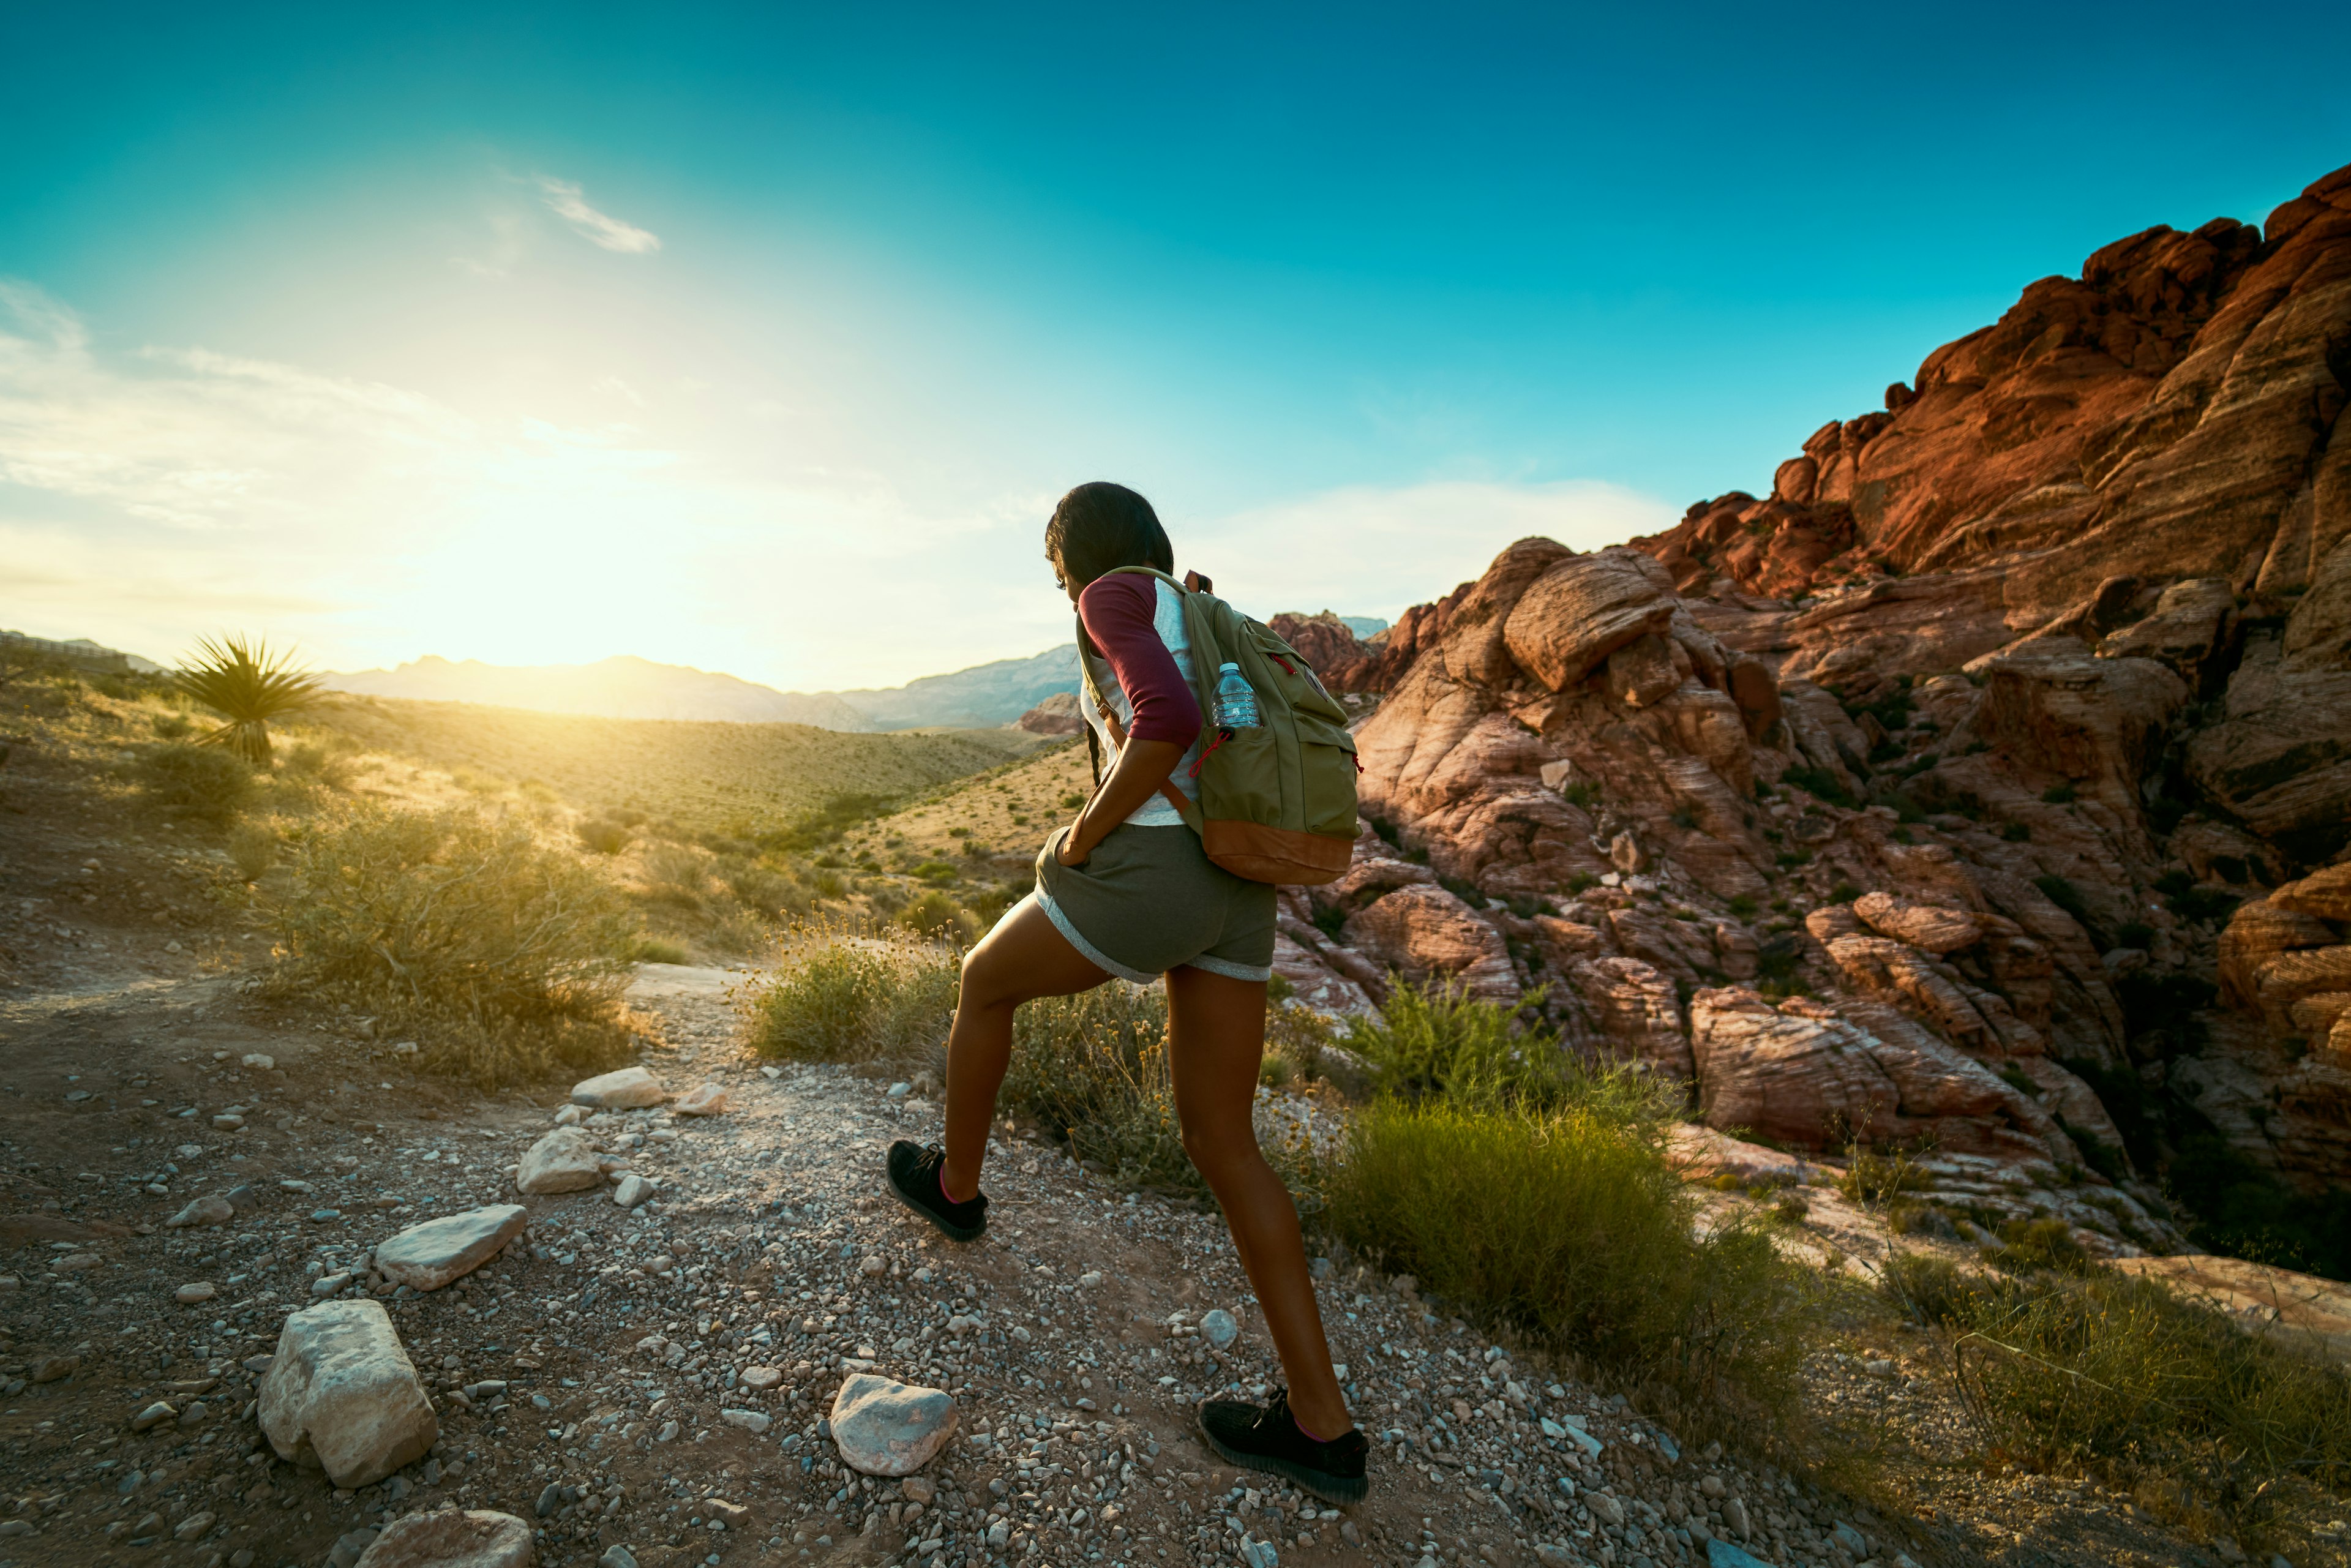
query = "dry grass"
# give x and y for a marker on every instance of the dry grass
(2122, 1375)
(505, 958)
(737, 779)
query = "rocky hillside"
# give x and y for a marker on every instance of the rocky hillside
(1985, 787)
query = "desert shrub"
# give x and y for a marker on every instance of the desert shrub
(200, 780)
(248, 687)
(675, 873)
(1873, 1178)
(660, 950)
(1820, 783)
(319, 764)
(1295, 1036)
(1436, 1041)
(2028, 1245)
(601, 835)
(2118, 1371)
(252, 849)
(502, 957)
(1568, 1226)
(935, 914)
(849, 993)
(763, 888)
(2062, 794)
(2017, 832)
(1094, 1068)
(171, 725)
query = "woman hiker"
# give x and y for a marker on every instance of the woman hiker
(1127, 890)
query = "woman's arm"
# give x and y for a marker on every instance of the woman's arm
(1118, 612)
(1142, 765)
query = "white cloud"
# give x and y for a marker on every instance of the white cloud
(1362, 550)
(563, 199)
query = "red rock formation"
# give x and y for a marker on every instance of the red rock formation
(1911, 802)
(1057, 715)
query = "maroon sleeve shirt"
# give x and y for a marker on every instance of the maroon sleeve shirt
(1118, 613)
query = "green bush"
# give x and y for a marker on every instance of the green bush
(2028, 1245)
(1820, 783)
(1570, 1226)
(844, 994)
(504, 956)
(603, 835)
(207, 781)
(675, 874)
(2058, 795)
(1879, 1179)
(935, 914)
(1438, 1040)
(661, 950)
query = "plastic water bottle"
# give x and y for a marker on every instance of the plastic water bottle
(1236, 703)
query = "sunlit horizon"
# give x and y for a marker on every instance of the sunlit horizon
(763, 344)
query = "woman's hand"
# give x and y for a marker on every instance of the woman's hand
(1068, 852)
(1142, 765)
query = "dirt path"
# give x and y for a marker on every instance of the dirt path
(1069, 1335)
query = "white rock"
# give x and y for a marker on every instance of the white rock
(702, 1099)
(1091, 1278)
(329, 1284)
(473, 1538)
(752, 1421)
(203, 1211)
(617, 1557)
(188, 1295)
(571, 1115)
(258, 1060)
(155, 1415)
(428, 1256)
(888, 1428)
(563, 1161)
(624, 1089)
(342, 1396)
(1218, 1327)
(873, 1264)
(762, 1378)
(405, 1048)
(634, 1190)
(190, 1528)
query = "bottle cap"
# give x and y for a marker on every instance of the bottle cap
(1229, 665)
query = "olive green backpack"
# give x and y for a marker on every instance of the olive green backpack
(1276, 801)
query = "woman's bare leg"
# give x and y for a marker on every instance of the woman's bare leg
(1023, 958)
(1217, 1034)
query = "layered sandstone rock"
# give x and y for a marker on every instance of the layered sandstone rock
(2000, 751)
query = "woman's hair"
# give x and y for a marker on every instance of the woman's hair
(1102, 526)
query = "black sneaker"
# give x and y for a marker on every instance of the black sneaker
(915, 1173)
(1267, 1438)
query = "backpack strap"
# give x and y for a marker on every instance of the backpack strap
(1175, 798)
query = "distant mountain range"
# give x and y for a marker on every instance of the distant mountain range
(625, 687)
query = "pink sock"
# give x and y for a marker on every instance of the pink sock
(1303, 1427)
(943, 1188)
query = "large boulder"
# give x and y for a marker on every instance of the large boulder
(451, 1538)
(1426, 934)
(428, 1256)
(1584, 609)
(342, 1396)
(883, 1427)
(623, 1089)
(2054, 706)
(2280, 759)
(562, 1161)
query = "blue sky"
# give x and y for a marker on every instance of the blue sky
(761, 338)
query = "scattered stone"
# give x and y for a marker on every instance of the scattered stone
(633, 1190)
(1720, 1553)
(762, 1378)
(405, 1048)
(429, 1255)
(192, 1527)
(342, 1396)
(1218, 1327)
(617, 1557)
(571, 1115)
(330, 1284)
(259, 1061)
(884, 1428)
(189, 1294)
(197, 1414)
(873, 1264)
(155, 1415)
(202, 1211)
(451, 1538)
(54, 1368)
(347, 1550)
(702, 1099)
(228, 1121)
(733, 1515)
(919, 1489)
(563, 1161)
(1091, 1278)
(624, 1089)
(752, 1421)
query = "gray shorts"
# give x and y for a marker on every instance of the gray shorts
(1149, 900)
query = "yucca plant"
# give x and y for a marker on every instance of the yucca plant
(247, 685)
